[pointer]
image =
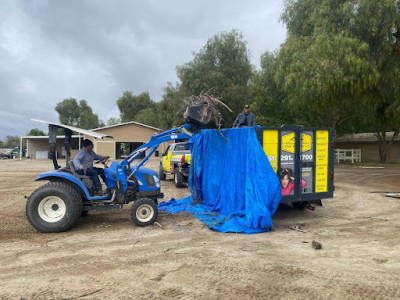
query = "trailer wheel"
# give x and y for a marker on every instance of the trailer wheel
(300, 205)
(161, 173)
(144, 212)
(54, 207)
(179, 179)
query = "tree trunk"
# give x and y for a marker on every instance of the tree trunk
(382, 152)
(384, 145)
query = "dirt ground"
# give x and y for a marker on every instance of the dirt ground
(105, 256)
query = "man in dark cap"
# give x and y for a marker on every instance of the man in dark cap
(245, 119)
(83, 163)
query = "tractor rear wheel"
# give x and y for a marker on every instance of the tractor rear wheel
(54, 207)
(144, 212)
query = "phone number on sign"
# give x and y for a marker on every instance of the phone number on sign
(286, 157)
(308, 157)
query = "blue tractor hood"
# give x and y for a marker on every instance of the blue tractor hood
(147, 178)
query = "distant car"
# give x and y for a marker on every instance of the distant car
(176, 160)
(4, 155)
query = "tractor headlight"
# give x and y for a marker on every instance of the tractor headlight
(156, 181)
(139, 182)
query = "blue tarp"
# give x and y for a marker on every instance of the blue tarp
(233, 186)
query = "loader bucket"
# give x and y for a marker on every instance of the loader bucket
(198, 114)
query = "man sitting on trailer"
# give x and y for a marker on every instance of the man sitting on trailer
(83, 163)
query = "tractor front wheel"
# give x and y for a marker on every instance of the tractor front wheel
(144, 212)
(54, 207)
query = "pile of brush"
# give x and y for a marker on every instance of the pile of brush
(200, 109)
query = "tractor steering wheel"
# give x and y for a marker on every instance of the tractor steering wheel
(103, 161)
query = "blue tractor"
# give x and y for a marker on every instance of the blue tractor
(57, 205)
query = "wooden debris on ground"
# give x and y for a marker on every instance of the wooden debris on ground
(159, 225)
(392, 195)
(297, 228)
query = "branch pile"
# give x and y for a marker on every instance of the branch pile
(212, 104)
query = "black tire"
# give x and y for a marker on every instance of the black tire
(161, 173)
(179, 179)
(300, 205)
(54, 207)
(144, 212)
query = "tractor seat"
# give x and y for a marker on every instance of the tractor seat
(72, 169)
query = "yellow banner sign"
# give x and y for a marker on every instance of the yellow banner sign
(270, 146)
(321, 161)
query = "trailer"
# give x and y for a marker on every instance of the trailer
(303, 159)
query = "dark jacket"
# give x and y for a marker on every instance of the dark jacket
(243, 120)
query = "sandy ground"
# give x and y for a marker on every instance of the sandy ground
(105, 256)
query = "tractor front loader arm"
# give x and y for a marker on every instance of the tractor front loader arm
(182, 132)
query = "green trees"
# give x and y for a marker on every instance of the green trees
(130, 105)
(68, 111)
(325, 76)
(77, 114)
(341, 61)
(10, 142)
(87, 118)
(223, 63)
(170, 108)
(140, 108)
(270, 103)
(378, 25)
(143, 109)
(36, 132)
(321, 67)
(113, 121)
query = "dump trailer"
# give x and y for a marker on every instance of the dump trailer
(303, 159)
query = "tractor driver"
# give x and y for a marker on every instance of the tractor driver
(83, 163)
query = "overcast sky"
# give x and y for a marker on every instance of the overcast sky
(51, 50)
